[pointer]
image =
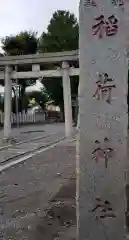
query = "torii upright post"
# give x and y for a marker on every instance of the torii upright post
(104, 30)
(7, 103)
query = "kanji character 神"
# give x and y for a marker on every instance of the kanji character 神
(102, 153)
(108, 27)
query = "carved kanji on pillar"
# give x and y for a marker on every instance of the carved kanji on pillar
(101, 153)
(111, 26)
(105, 27)
(104, 88)
(104, 208)
(89, 3)
(118, 2)
(99, 27)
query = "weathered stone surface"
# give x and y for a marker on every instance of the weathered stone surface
(103, 120)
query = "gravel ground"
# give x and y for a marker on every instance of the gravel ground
(29, 189)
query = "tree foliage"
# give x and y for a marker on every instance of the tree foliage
(62, 35)
(22, 43)
(22, 104)
(1, 103)
(41, 98)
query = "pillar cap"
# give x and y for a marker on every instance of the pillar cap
(65, 64)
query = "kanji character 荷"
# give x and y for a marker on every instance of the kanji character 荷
(104, 88)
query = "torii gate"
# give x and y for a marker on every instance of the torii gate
(35, 62)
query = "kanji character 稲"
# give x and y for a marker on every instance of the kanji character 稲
(111, 26)
(99, 28)
(105, 27)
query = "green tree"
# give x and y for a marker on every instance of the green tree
(1, 103)
(22, 43)
(41, 97)
(62, 35)
(22, 104)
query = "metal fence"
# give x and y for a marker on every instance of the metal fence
(24, 118)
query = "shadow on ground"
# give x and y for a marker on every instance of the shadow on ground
(60, 219)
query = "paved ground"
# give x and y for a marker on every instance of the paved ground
(29, 206)
(14, 151)
(25, 133)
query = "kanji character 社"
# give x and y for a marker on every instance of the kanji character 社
(89, 3)
(105, 209)
(118, 2)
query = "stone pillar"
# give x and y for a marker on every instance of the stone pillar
(7, 103)
(104, 38)
(67, 99)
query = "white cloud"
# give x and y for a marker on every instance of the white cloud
(18, 15)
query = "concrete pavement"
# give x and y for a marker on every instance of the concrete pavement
(16, 151)
(27, 189)
(26, 133)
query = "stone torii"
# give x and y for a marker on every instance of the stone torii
(35, 62)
